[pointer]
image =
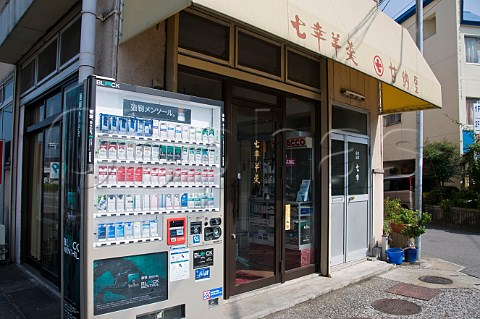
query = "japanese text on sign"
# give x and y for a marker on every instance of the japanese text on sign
(328, 41)
(256, 155)
(156, 111)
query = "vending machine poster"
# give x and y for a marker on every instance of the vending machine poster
(179, 263)
(202, 258)
(126, 282)
(156, 111)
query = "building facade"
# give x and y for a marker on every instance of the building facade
(451, 33)
(303, 98)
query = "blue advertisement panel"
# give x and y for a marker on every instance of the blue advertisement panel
(126, 282)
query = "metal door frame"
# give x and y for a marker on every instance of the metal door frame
(346, 138)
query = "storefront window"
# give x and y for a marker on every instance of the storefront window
(299, 184)
(470, 102)
(347, 120)
(203, 36)
(47, 60)
(303, 70)
(249, 47)
(199, 85)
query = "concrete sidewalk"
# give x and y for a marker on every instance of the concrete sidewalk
(24, 296)
(261, 302)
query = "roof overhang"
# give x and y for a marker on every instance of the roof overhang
(24, 22)
(354, 33)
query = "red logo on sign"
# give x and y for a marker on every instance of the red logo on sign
(378, 64)
(296, 142)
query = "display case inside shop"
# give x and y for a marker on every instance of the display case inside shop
(298, 187)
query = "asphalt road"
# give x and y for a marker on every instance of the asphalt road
(453, 245)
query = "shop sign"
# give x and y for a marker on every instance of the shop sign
(287, 217)
(476, 118)
(299, 142)
(290, 162)
(54, 169)
(156, 111)
(256, 155)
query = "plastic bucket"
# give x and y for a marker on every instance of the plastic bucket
(410, 255)
(395, 255)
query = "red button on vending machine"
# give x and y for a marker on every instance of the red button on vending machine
(176, 231)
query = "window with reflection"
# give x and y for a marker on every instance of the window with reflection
(259, 54)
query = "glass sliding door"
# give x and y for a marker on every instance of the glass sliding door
(255, 207)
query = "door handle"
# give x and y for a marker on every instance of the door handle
(234, 236)
(351, 198)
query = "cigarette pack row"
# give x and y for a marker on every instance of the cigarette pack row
(118, 203)
(134, 126)
(155, 176)
(111, 231)
(129, 150)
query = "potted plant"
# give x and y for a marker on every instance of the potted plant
(407, 222)
(412, 230)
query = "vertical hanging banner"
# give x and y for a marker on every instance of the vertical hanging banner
(72, 174)
(476, 118)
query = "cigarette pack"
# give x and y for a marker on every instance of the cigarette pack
(211, 135)
(170, 153)
(154, 202)
(163, 131)
(178, 132)
(191, 134)
(177, 154)
(131, 126)
(205, 135)
(128, 229)
(154, 177)
(122, 125)
(146, 202)
(104, 123)
(162, 176)
(129, 203)
(191, 154)
(185, 133)
(112, 175)
(120, 230)
(185, 154)
(102, 149)
(184, 177)
(198, 134)
(120, 203)
(113, 123)
(211, 156)
(198, 155)
(170, 131)
(148, 128)
(130, 151)
(102, 175)
(140, 129)
(163, 153)
(147, 152)
(155, 128)
(176, 201)
(168, 201)
(101, 232)
(139, 175)
(111, 203)
(155, 152)
(205, 155)
(145, 228)
(130, 175)
(138, 202)
(137, 229)
(139, 152)
(170, 173)
(122, 150)
(102, 203)
(110, 231)
(112, 150)
(121, 175)
(147, 176)
(154, 228)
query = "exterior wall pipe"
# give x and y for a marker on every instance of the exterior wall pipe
(87, 40)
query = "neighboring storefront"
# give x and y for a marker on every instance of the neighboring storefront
(303, 96)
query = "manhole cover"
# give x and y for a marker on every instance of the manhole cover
(396, 307)
(414, 291)
(436, 280)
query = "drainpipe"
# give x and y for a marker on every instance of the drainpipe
(87, 40)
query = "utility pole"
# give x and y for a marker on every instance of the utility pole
(419, 157)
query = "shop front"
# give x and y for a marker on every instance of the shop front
(303, 131)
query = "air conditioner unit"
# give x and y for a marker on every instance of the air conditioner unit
(3, 246)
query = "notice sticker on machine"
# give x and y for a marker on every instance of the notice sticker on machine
(179, 263)
(202, 258)
(202, 274)
(212, 293)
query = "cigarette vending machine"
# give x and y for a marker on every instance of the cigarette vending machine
(143, 221)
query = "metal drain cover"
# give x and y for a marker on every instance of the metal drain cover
(436, 280)
(396, 307)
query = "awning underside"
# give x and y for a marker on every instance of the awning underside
(354, 33)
